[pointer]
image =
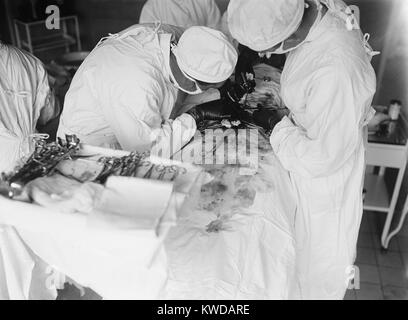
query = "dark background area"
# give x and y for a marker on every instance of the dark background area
(97, 18)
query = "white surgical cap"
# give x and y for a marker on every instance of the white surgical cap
(206, 55)
(262, 24)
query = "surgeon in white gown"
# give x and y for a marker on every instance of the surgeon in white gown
(328, 84)
(125, 92)
(182, 13)
(26, 100)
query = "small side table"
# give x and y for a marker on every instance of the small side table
(383, 188)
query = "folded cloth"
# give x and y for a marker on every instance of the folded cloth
(132, 203)
(64, 194)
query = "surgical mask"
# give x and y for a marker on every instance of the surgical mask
(198, 90)
(179, 87)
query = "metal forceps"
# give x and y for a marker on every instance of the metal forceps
(161, 170)
(149, 172)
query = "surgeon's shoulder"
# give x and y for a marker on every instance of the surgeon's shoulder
(121, 63)
(26, 62)
(345, 45)
(22, 56)
(345, 53)
(336, 73)
(135, 79)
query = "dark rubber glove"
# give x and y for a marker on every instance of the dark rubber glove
(234, 92)
(213, 110)
(246, 60)
(267, 119)
(231, 92)
(244, 77)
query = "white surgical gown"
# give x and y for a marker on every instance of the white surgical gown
(182, 13)
(328, 84)
(25, 100)
(121, 97)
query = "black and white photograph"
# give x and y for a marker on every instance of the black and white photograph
(203, 155)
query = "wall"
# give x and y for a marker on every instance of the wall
(8, 10)
(100, 17)
(4, 29)
(394, 82)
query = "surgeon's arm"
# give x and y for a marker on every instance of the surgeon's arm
(331, 129)
(245, 64)
(136, 120)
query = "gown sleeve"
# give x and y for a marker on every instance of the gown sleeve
(329, 136)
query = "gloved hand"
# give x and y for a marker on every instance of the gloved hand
(246, 60)
(213, 110)
(267, 119)
(244, 77)
(232, 92)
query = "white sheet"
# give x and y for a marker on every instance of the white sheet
(254, 258)
(115, 263)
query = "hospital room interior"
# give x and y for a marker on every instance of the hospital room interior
(203, 150)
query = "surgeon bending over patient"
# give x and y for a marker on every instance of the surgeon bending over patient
(328, 84)
(125, 91)
(26, 101)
